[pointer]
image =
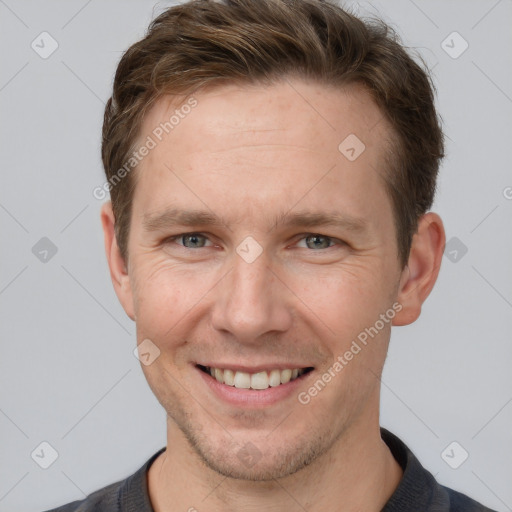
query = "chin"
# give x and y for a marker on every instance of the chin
(257, 460)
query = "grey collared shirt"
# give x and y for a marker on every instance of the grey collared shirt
(418, 490)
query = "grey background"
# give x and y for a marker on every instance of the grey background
(68, 373)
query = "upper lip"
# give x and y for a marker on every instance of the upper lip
(255, 368)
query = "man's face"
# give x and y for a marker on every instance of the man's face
(294, 295)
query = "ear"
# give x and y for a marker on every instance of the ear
(420, 274)
(116, 263)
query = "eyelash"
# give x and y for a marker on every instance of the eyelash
(334, 241)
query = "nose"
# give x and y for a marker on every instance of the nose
(252, 301)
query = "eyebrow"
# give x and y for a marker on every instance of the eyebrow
(311, 219)
(171, 217)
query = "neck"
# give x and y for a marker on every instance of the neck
(340, 479)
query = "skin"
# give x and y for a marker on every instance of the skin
(248, 154)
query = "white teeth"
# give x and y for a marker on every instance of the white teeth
(219, 375)
(286, 375)
(275, 378)
(242, 380)
(229, 377)
(259, 380)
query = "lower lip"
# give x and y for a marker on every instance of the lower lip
(251, 397)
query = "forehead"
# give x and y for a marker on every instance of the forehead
(265, 143)
(314, 114)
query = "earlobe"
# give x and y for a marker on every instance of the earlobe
(117, 266)
(420, 274)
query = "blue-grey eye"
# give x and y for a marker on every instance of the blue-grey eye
(318, 242)
(193, 241)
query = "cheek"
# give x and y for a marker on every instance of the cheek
(347, 298)
(346, 308)
(163, 294)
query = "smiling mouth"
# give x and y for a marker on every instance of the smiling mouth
(260, 380)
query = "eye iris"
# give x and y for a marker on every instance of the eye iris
(319, 242)
(193, 241)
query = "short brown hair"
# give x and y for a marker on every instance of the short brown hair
(210, 42)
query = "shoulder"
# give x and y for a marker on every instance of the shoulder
(461, 503)
(419, 490)
(105, 499)
(125, 495)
